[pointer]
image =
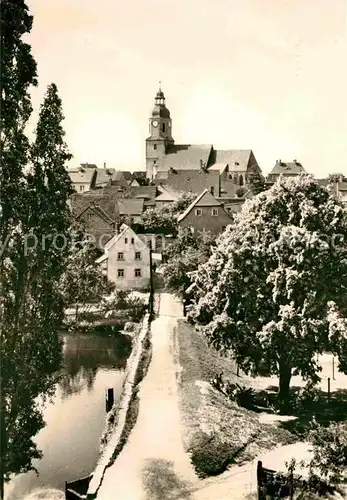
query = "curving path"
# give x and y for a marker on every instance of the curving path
(153, 464)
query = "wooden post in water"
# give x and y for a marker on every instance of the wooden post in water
(329, 388)
(109, 399)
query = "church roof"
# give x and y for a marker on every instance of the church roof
(185, 157)
(205, 199)
(237, 159)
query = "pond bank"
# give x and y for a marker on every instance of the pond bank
(122, 416)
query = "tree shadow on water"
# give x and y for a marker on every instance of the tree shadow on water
(161, 482)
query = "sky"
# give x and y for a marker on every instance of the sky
(266, 75)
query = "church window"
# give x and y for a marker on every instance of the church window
(163, 127)
(154, 146)
(212, 190)
(241, 180)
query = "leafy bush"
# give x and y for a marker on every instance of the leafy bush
(329, 451)
(134, 307)
(210, 458)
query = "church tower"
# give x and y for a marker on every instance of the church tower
(160, 135)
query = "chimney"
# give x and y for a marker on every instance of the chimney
(104, 164)
(295, 162)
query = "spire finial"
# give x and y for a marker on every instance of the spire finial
(160, 82)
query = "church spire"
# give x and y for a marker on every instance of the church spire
(160, 98)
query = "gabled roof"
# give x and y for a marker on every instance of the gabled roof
(83, 176)
(167, 194)
(125, 230)
(221, 167)
(205, 199)
(145, 192)
(193, 180)
(103, 176)
(99, 211)
(237, 159)
(130, 206)
(140, 176)
(185, 157)
(284, 168)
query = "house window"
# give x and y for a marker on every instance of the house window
(241, 180)
(132, 241)
(230, 176)
(137, 255)
(198, 212)
(120, 273)
(214, 212)
(154, 146)
(89, 216)
(120, 256)
(223, 228)
(137, 273)
(81, 187)
(125, 240)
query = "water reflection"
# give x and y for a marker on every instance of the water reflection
(85, 353)
(76, 415)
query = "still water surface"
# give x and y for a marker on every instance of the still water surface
(76, 416)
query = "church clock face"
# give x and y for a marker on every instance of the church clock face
(155, 123)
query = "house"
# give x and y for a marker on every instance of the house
(104, 177)
(205, 213)
(83, 177)
(98, 213)
(126, 260)
(162, 154)
(285, 169)
(195, 181)
(131, 208)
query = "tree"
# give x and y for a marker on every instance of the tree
(184, 256)
(82, 281)
(163, 220)
(256, 182)
(31, 307)
(274, 287)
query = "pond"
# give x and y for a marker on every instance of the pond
(76, 416)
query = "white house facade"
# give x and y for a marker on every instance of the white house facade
(126, 260)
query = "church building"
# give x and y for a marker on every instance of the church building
(164, 157)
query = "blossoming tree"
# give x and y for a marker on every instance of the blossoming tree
(274, 289)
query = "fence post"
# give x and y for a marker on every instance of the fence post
(260, 481)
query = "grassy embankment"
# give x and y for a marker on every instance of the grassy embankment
(217, 432)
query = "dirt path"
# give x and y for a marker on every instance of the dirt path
(153, 464)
